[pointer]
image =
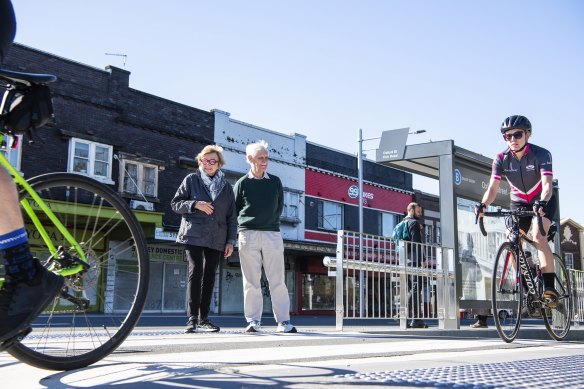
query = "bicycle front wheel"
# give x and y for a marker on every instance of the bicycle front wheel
(558, 320)
(105, 301)
(506, 293)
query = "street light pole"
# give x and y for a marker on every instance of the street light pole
(360, 166)
(360, 202)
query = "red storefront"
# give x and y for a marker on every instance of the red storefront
(331, 205)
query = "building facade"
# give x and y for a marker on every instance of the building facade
(287, 161)
(332, 204)
(143, 146)
(571, 244)
(132, 141)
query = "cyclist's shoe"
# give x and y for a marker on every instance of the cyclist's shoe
(551, 297)
(22, 302)
(417, 323)
(286, 327)
(191, 325)
(206, 326)
(479, 324)
(253, 326)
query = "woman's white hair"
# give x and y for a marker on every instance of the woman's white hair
(253, 148)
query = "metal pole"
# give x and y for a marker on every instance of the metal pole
(360, 185)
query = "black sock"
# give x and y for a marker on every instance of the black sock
(549, 280)
(19, 263)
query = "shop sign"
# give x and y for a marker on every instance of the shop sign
(472, 184)
(161, 234)
(353, 193)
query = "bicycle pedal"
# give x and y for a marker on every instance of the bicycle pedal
(15, 339)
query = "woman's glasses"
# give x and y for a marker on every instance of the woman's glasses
(517, 135)
(209, 162)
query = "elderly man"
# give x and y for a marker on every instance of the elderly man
(259, 200)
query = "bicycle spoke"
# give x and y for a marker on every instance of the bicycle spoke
(103, 302)
(506, 293)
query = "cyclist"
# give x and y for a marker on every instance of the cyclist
(28, 286)
(528, 169)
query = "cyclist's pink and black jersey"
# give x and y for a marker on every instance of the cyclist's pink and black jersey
(525, 178)
(525, 175)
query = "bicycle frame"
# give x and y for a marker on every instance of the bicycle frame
(521, 266)
(44, 207)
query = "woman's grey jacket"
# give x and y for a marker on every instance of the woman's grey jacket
(196, 227)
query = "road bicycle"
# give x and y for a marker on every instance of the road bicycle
(517, 283)
(82, 230)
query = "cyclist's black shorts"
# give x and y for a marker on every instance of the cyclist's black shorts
(525, 222)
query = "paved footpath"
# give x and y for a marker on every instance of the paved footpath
(319, 356)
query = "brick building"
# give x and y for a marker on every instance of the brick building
(130, 140)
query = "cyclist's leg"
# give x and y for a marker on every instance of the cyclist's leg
(28, 287)
(11, 217)
(545, 254)
(18, 262)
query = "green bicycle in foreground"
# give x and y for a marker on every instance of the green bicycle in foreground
(82, 230)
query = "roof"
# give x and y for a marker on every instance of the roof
(572, 222)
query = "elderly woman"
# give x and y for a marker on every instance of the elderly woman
(208, 230)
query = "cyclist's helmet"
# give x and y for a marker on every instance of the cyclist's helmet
(515, 122)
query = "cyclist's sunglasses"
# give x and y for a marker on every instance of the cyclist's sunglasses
(209, 161)
(517, 135)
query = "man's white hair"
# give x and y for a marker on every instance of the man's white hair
(253, 148)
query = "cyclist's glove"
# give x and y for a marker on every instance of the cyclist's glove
(541, 204)
(479, 207)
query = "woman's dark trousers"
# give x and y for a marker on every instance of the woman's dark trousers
(203, 263)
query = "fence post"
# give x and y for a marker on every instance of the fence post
(339, 284)
(403, 286)
(446, 294)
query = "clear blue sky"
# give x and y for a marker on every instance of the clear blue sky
(327, 68)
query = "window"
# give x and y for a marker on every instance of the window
(13, 155)
(330, 216)
(429, 233)
(438, 235)
(139, 178)
(291, 202)
(569, 258)
(91, 159)
(387, 221)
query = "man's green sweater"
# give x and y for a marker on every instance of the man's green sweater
(259, 203)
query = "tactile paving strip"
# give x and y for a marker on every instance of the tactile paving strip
(560, 372)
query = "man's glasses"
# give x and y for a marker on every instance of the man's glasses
(517, 135)
(209, 161)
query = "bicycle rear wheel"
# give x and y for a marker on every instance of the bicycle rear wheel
(506, 293)
(69, 336)
(558, 320)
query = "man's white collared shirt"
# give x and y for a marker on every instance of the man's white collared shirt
(250, 175)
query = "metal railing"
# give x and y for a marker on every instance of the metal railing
(381, 278)
(578, 296)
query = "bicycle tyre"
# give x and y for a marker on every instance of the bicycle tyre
(558, 320)
(66, 340)
(506, 294)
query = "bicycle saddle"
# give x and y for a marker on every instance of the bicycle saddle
(27, 78)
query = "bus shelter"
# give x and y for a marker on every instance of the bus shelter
(463, 177)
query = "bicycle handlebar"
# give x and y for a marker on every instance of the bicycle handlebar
(502, 213)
